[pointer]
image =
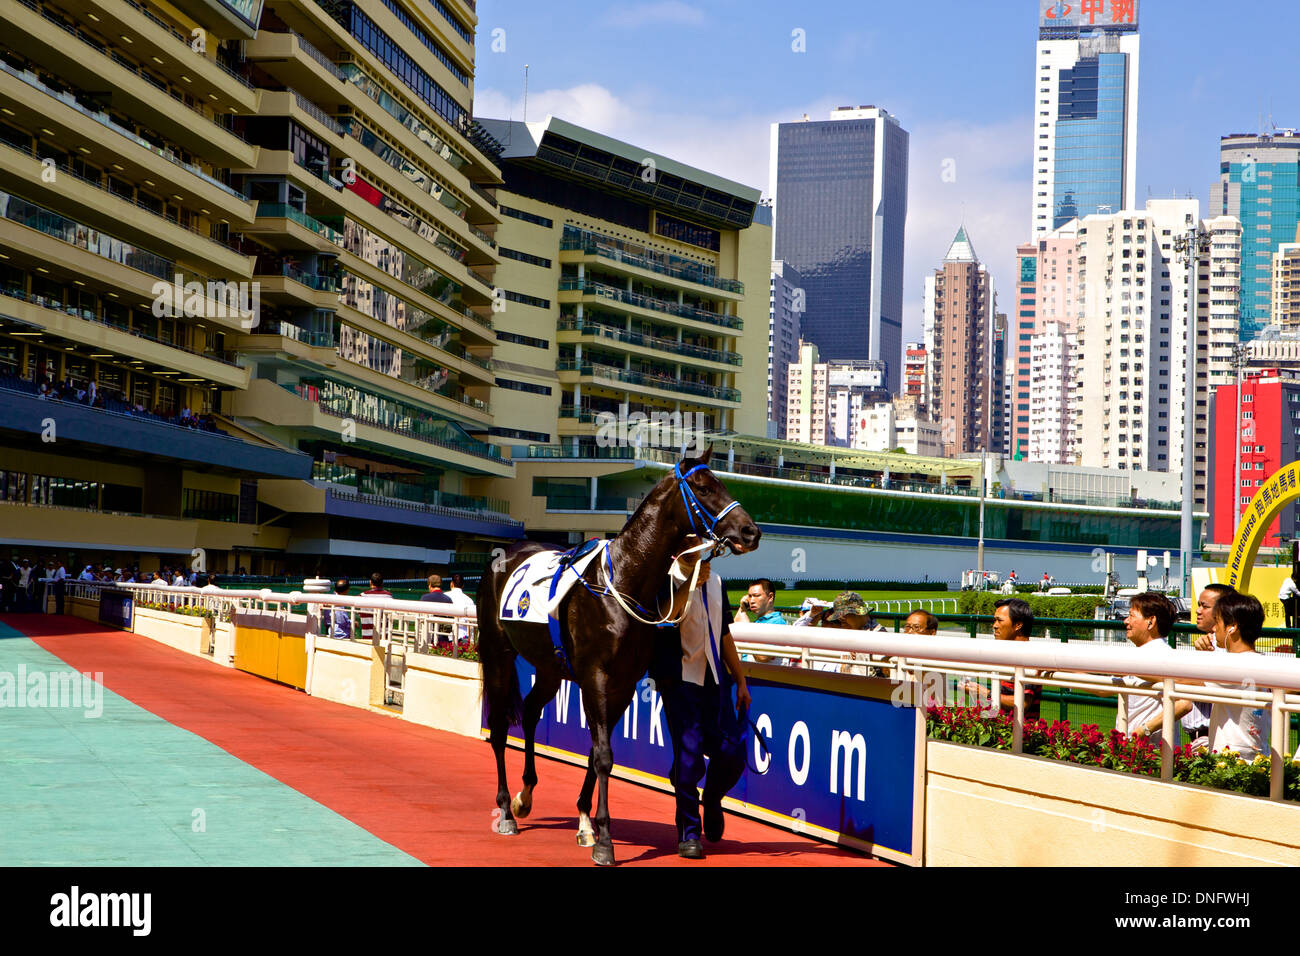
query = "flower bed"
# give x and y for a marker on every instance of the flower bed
(1087, 745)
(186, 610)
(467, 651)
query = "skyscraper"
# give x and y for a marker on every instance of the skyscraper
(840, 191)
(1259, 185)
(785, 306)
(1085, 109)
(965, 351)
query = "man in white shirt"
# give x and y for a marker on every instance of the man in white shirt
(1289, 595)
(178, 580)
(1238, 620)
(696, 690)
(1150, 619)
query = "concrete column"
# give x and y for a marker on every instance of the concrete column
(832, 469)
(731, 457)
(594, 482)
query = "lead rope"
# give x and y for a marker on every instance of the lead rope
(666, 620)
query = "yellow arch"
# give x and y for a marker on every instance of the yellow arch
(1282, 488)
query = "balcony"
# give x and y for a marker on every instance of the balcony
(120, 339)
(600, 289)
(89, 60)
(398, 418)
(631, 254)
(143, 433)
(277, 210)
(103, 119)
(596, 329)
(665, 383)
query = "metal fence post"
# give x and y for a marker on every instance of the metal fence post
(1167, 731)
(1280, 738)
(1018, 724)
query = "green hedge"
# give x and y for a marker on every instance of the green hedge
(819, 584)
(1076, 588)
(1073, 607)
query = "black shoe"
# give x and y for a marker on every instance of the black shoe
(714, 823)
(691, 850)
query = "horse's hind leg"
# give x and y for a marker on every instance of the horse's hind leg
(548, 682)
(586, 835)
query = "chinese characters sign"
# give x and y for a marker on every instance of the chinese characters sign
(1088, 13)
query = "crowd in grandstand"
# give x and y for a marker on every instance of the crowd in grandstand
(87, 392)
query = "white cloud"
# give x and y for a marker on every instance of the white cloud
(991, 162)
(644, 14)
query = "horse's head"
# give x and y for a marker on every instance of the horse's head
(707, 509)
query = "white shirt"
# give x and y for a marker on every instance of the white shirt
(1240, 729)
(460, 598)
(1289, 590)
(697, 650)
(60, 574)
(1143, 710)
(178, 581)
(86, 575)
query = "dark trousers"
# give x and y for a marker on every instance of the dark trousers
(59, 589)
(702, 722)
(1291, 606)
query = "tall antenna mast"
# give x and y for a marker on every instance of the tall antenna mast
(525, 92)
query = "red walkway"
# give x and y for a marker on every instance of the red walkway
(427, 792)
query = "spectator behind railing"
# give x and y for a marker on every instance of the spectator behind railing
(1238, 620)
(367, 617)
(1150, 619)
(335, 621)
(1012, 621)
(921, 622)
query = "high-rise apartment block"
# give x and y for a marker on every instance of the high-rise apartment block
(1131, 379)
(915, 380)
(1085, 111)
(965, 351)
(1051, 411)
(1286, 286)
(785, 308)
(1259, 184)
(840, 193)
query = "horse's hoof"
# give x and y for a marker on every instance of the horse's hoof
(586, 839)
(519, 808)
(603, 855)
(507, 827)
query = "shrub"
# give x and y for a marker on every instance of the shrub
(826, 584)
(1073, 607)
(1076, 588)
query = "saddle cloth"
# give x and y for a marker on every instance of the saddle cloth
(535, 588)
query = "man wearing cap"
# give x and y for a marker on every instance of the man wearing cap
(852, 613)
(696, 689)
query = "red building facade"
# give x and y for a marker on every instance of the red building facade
(1269, 430)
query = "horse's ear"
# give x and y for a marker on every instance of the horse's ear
(708, 453)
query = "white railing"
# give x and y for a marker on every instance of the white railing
(1065, 665)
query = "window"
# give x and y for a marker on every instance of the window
(522, 340)
(526, 216)
(523, 386)
(524, 257)
(526, 299)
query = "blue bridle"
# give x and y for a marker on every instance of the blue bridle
(695, 509)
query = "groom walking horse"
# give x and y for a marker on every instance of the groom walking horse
(602, 634)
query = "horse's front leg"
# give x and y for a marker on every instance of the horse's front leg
(586, 835)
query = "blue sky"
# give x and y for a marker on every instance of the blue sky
(701, 80)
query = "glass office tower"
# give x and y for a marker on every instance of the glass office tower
(840, 191)
(1259, 184)
(1085, 109)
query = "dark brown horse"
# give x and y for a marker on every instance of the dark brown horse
(608, 648)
